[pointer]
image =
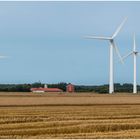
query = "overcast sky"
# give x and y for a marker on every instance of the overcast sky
(45, 41)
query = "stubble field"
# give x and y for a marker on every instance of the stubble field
(59, 115)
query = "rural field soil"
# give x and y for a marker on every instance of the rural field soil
(22, 99)
(59, 115)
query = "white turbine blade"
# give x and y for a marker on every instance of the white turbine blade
(119, 28)
(117, 51)
(134, 45)
(138, 54)
(1, 56)
(98, 37)
(124, 57)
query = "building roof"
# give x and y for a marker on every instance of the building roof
(46, 89)
(70, 85)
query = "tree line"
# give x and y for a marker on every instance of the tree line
(78, 88)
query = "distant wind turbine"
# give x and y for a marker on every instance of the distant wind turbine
(2, 56)
(112, 46)
(134, 53)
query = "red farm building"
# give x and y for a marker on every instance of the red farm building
(46, 89)
(70, 88)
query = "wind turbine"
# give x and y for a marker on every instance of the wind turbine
(134, 53)
(112, 47)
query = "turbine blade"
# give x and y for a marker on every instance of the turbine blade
(117, 51)
(138, 54)
(134, 45)
(119, 28)
(98, 37)
(2, 56)
(124, 57)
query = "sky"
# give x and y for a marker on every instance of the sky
(44, 41)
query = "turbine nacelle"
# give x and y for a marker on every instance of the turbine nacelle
(135, 52)
(111, 40)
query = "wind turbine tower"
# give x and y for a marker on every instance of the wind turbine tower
(134, 53)
(112, 47)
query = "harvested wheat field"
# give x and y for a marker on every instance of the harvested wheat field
(29, 115)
